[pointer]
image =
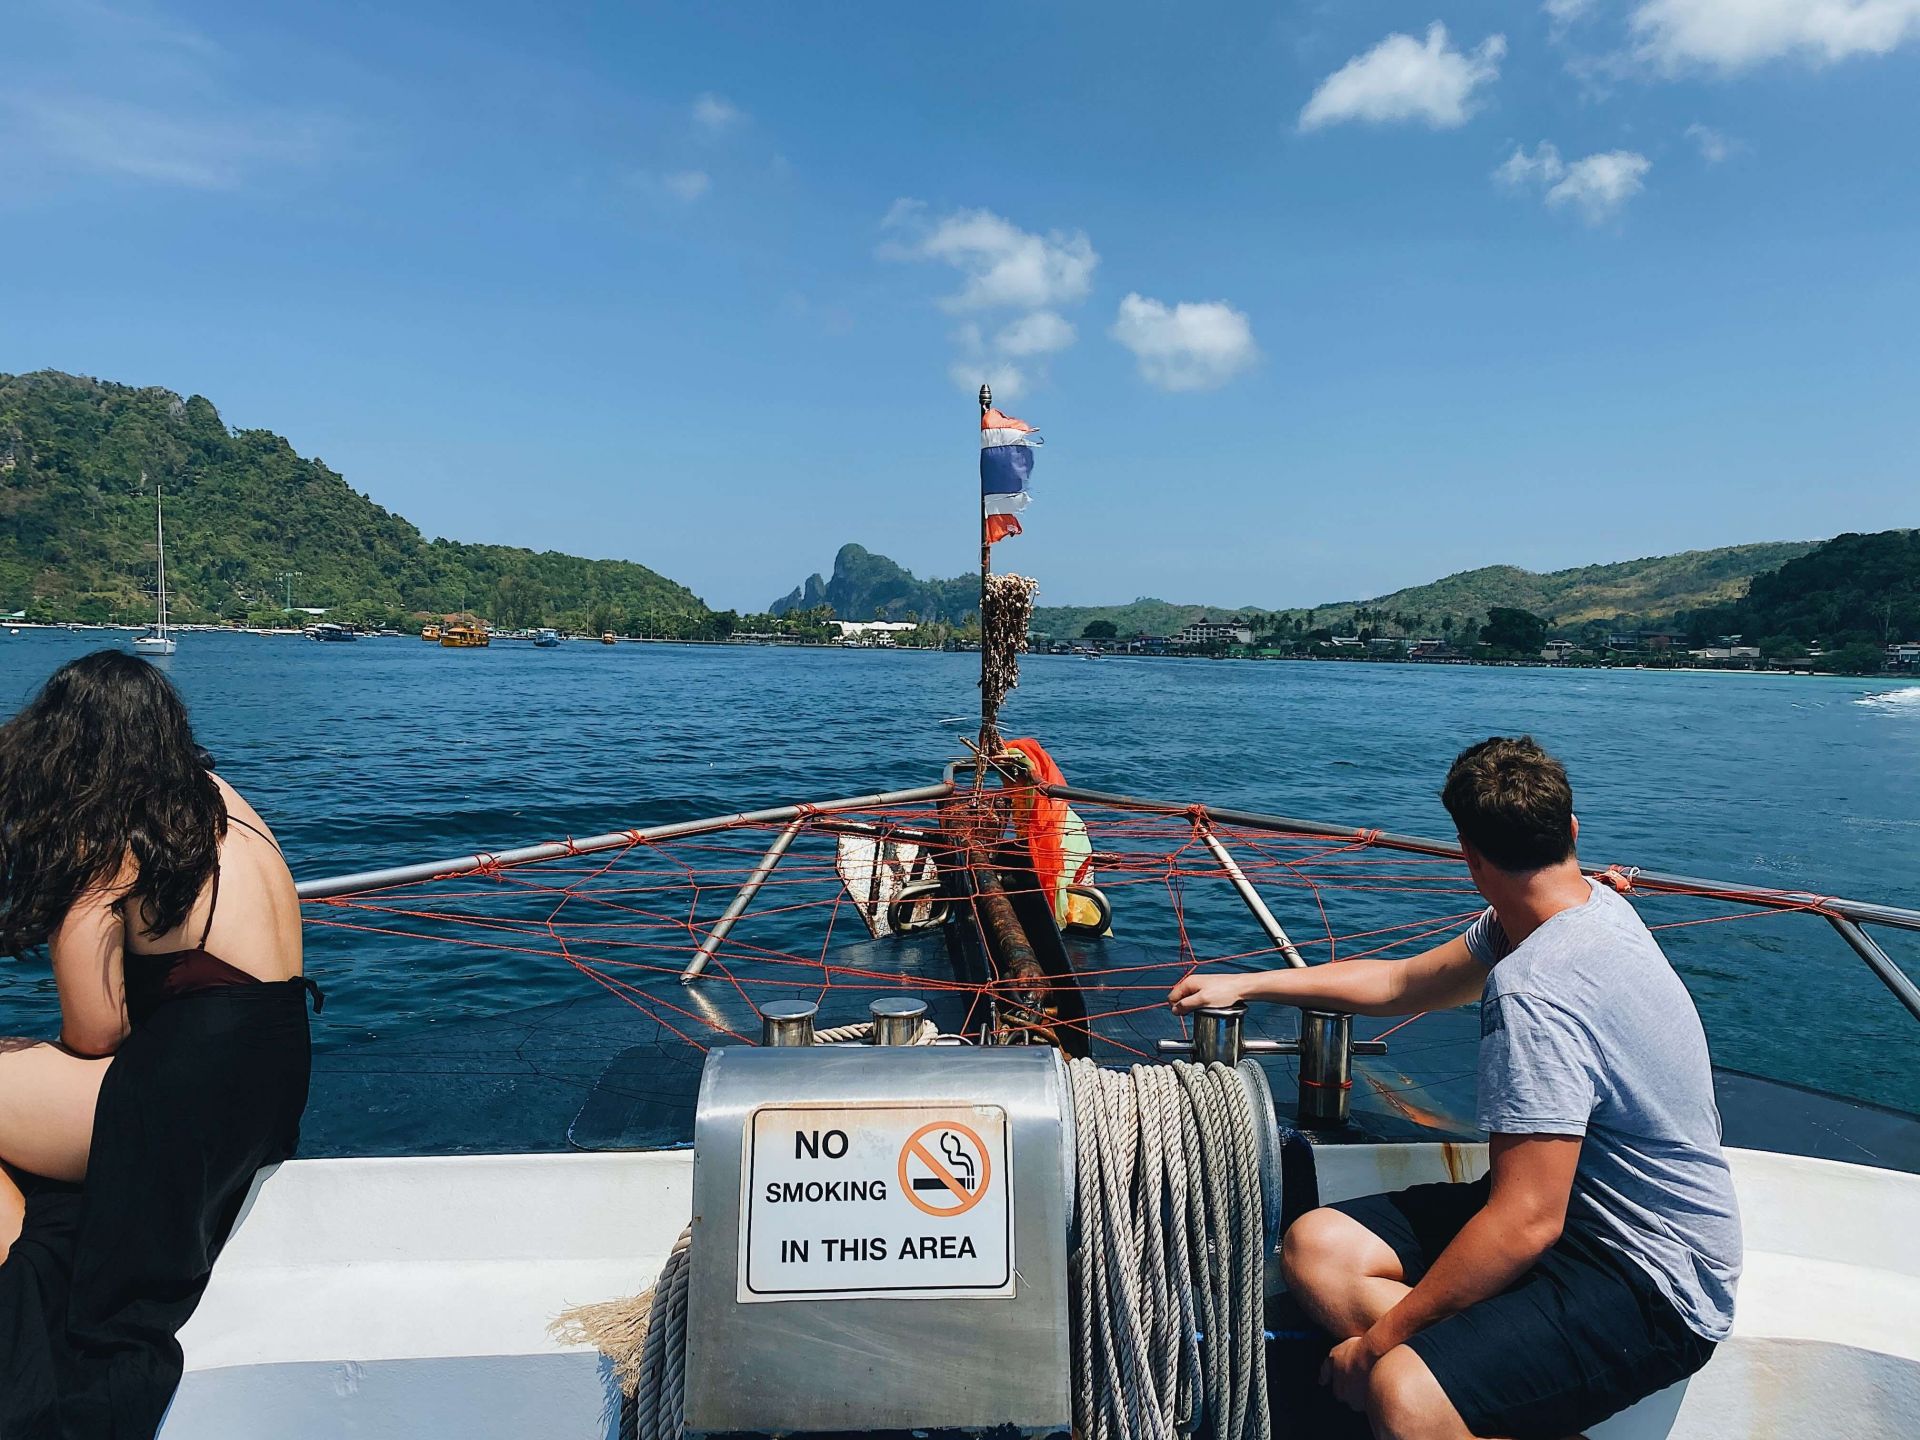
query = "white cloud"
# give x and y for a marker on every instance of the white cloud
(1004, 266)
(1040, 333)
(903, 213)
(138, 26)
(1544, 166)
(1014, 360)
(1713, 146)
(1403, 79)
(1008, 380)
(1734, 34)
(716, 113)
(686, 186)
(141, 142)
(1597, 186)
(669, 191)
(124, 92)
(1565, 12)
(1194, 345)
(1600, 184)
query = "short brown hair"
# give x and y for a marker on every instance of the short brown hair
(1510, 800)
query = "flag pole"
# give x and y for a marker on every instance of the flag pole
(988, 739)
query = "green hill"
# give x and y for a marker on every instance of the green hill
(1629, 591)
(76, 527)
(1626, 589)
(1144, 616)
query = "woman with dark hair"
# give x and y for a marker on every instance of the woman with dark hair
(128, 1146)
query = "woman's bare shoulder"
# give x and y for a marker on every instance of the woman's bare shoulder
(238, 805)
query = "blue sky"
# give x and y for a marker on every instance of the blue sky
(1309, 301)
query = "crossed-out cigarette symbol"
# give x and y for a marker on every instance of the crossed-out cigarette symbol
(957, 1177)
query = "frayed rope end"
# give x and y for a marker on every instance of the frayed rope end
(616, 1328)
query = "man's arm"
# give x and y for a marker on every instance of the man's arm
(1537, 1089)
(1524, 1215)
(1436, 979)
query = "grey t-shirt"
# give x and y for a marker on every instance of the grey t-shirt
(1586, 1030)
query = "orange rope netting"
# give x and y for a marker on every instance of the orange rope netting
(628, 919)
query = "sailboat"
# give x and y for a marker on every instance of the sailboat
(157, 641)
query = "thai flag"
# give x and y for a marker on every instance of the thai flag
(1006, 460)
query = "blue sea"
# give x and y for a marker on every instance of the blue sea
(389, 750)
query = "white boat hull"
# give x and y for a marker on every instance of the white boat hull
(410, 1297)
(153, 645)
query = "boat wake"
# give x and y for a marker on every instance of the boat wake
(1904, 701)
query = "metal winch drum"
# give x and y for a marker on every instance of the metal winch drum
(881, 1236)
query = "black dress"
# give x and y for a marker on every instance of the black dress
(207, 1088)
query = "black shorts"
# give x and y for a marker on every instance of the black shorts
(1581, 1335)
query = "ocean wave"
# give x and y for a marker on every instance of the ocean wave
(1904, 701)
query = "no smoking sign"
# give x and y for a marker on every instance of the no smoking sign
(944, 1169)
(896, 1201)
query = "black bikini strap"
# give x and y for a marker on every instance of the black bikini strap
(247, 824)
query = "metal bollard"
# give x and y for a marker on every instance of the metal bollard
(1326, 1048)
(787, 1022)
(896, 1019)
(1219, 1034)
(1326, 1067)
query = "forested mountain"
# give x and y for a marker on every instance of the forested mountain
(1629, 591)
(1855, 589)
(865, 586)
(76, 527)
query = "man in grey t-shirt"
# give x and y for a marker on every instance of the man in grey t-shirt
(1596, 1263)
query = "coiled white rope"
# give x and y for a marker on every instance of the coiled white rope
(660, 1403)
(1168, 1314)
(1167, 1302)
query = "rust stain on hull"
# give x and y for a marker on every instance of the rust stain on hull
(1418, 1114)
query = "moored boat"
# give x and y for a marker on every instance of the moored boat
(465, 636)
(546, 639)
(430, 633)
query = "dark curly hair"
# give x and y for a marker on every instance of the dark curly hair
(100, 765)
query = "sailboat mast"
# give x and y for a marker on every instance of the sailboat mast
(160, 544)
